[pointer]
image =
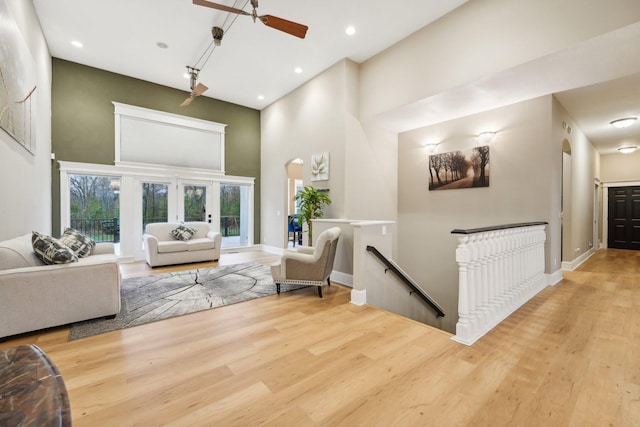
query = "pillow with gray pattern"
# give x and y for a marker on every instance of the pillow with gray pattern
(51, 250)
(79, 243)
(182, 232)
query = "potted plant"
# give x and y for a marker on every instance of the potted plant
(311, 203)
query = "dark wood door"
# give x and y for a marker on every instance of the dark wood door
(624, 218)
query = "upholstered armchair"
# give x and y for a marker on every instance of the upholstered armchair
(309, 266)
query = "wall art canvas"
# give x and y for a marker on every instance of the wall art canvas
(320, 167)
(17, 82)
(459, 169)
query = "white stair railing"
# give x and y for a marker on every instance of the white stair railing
(500, 269)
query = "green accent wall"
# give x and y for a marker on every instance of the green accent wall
(82, 122)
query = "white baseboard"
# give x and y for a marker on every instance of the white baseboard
(342, 278)
(572, 265)
(241, 249)
(271, 249)
(554, 278)
(358, 296)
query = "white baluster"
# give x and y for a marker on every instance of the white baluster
(499, 271)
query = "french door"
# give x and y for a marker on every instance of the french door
(177, 200)
(121, 200)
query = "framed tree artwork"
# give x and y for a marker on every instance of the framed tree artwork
(459, 169)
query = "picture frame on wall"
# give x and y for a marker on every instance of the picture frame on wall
(320, 167)
(18, 83)
(459, 169)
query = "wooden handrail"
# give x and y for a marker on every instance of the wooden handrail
(407, 280)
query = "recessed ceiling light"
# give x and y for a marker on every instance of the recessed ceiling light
(350, 30)
(260, 97)
(298, 70)
(162, 45)
(186, 75)
(627, 150)
(76, 43)
(624, 123)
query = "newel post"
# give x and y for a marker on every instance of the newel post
(463, 257)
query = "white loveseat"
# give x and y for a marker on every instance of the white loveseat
(35, 296)
(162, 248)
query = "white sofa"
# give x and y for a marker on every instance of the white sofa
(35, 296)
(161, 248)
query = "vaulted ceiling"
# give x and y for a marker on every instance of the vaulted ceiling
(255, 65)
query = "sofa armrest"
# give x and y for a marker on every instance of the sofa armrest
(150, 243)
(306, 250)
(103, 248)
(216, 237)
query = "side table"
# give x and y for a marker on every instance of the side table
(32, 392)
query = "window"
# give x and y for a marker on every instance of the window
(94, 206)
(235, 211)
(114, 203)
(155, 206)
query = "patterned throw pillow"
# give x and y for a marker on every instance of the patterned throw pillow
(50, 250)
(77, 242)
(182, 232)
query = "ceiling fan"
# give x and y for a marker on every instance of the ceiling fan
(196, 90)
(289, 27)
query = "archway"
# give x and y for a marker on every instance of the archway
(567, 178)
(294, 171)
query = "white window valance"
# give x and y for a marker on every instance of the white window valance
(159, 138)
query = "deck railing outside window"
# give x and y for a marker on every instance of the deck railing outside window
(99, 229)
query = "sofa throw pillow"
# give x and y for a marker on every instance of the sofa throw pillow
(50, 250)
(182, 232)
(79, 243)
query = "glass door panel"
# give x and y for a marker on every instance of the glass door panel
(195, 201)
(194, 198)
(94, 206)
(234, 215)
(155, 203)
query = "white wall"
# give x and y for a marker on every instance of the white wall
(308, 121)
(620, 167)
(318, 117)
(584, 169)
(385, 175)
(481, 38)
(26, 178)
(521, 189)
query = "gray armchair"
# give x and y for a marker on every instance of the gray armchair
(310, 266)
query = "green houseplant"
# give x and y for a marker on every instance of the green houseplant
(311, 202)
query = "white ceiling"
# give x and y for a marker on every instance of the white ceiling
(122, 36)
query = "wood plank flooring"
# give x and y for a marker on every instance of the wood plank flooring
(570, 357)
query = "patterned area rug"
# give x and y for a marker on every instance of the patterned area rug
(151, 298)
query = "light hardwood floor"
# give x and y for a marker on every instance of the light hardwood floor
(569, 357)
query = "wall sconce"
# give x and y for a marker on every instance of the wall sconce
(627, 150)
(485, 137)
(623, 123)
(430, 148)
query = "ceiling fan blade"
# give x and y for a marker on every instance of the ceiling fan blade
(220, 7)
(199, 90)
(187, 101)
(284, 25)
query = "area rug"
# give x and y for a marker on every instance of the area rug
(161, 296)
